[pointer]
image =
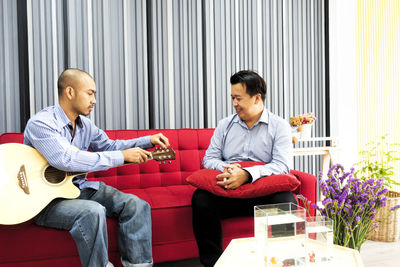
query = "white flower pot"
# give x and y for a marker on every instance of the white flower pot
(306, 132)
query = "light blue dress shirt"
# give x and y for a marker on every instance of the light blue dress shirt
(50, 132)
(269, 140)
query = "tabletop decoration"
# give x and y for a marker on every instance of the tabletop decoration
(351, 203)
(302, 126)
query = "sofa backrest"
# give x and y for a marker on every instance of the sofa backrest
(189, 145)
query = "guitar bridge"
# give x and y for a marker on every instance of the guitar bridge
(22, 180)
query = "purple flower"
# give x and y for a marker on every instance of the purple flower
(383, 191)
(369, 181)
(301, 197)
(395, 207)
(351, 203)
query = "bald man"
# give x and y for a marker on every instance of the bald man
(52, 132)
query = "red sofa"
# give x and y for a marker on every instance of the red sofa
(163, 186)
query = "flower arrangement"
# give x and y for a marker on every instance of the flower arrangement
(351, 203)
(301, 126)
(308, 118)
(299, 120)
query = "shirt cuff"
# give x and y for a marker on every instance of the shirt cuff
(219, 166)
(254, 172)
(144, 142)
(249, 177)
(117, 158)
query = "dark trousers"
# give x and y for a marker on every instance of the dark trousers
(208, 210)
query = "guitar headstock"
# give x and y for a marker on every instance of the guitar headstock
(163, 154)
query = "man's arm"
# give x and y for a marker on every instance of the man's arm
(213, 158)
(59, 153)
(101, 142)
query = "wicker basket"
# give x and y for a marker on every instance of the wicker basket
(389, 227)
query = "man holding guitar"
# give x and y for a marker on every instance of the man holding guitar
(53, 132)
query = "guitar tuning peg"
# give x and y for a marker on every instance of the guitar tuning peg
(169, 161)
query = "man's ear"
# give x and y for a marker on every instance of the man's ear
(69, 92)
(258, 98)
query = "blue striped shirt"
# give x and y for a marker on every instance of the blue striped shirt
(50, 132)
(269, 140)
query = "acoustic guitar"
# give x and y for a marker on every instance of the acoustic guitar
(28, 183)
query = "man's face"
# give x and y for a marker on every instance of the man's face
(243, 103)
(84, 96)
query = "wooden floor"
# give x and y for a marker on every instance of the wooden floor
(385, 254)
(373, 254)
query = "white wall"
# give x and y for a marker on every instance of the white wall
(342, 56)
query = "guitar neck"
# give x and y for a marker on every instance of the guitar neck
(160, 155)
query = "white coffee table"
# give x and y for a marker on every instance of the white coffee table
(241, 252)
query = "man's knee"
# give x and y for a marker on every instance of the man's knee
(136, 205)
(202, 200)
(93, 212)
(284, 197)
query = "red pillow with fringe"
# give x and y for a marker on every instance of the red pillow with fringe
(206, 179)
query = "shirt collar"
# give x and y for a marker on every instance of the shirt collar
(264, 118)
(62, 117)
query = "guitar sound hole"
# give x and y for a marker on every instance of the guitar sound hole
(54, 175)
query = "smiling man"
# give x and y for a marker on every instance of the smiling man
(53, 131)
(252, 134)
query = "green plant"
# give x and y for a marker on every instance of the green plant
(378, 161)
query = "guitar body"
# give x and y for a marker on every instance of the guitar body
(28, 183)
(25, 186)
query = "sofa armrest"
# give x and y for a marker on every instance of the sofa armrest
(307, 188)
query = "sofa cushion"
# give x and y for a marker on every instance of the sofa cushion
(165, 196)
(30, 242)
(206, 180)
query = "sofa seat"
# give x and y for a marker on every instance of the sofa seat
(163, 186)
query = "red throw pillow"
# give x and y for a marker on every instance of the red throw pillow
(206, 180)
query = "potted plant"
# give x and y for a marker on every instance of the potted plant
(302, 126)
(350, 203)
(378, 161)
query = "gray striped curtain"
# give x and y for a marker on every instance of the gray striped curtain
(9, 81)
(167, 64)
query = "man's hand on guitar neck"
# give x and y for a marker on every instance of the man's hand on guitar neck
(136, 155)
(159, 139)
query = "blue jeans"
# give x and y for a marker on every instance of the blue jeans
(85, 218)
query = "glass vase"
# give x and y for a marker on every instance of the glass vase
(279, 231)
(319, 245)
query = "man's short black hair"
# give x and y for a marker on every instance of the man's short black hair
(255, 84)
